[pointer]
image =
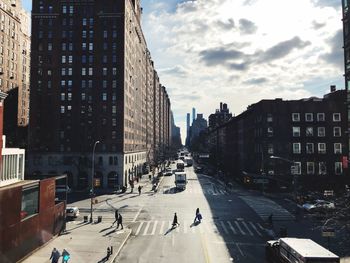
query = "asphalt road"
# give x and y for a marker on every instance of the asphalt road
(232, 229)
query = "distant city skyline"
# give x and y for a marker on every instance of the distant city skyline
(262, 49)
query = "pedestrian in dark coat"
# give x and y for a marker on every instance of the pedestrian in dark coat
(139, 188)
(115, 216)
(120, 221)
(175, 223)
(196, 217)
(55, 255)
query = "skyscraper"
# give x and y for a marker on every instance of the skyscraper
(188, 118)
(193, 114)
(92, 80)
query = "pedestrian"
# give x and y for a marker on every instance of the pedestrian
(198, 216)
(55, 255)
(65, 256)
(139, 188)
(115, 216)
(120, 221)
(175, 223)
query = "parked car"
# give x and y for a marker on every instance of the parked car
(198, 169)
(168, 173)
(318, 205)
(72, 212)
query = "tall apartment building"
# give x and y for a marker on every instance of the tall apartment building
(91, 79)
(220, 116)
(15, 56)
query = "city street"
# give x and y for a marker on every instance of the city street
(232, 229)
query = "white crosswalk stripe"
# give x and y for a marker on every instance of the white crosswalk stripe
(265, 207)
(231, 227)
(195, 190)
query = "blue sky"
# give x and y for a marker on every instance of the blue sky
(242, 51)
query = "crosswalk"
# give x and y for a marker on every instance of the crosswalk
(265, 207)
(205, 191)
(228, 227)
(107, 214)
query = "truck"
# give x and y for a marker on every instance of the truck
(297, 250)
(180, 180)
(180, 166)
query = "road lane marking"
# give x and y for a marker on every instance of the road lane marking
(139, 228)
(231, 227)
(239, 227)
(205, 249)
(137, 214)
(245, 225)
(161, 231)
(146, 228)
(224, 227)
(239, 249)
(154, 228)
(256, 230)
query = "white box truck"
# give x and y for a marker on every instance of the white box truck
(297, 250)
(180, 180)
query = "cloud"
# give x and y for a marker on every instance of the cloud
(177, 70)
(329, 3)
(247, 27)
(283, 48)
(336, 56)
(255, 81)
(226, 25)
(220, 55)
(316, 25)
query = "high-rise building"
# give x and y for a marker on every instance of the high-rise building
(188, 117)
(193, 114)
(92, 79)
(220, 116)
(15, 56)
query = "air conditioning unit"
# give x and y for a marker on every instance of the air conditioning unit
(13, 2)
(1, 71)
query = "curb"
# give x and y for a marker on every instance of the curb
(160, 181)
(120, 247)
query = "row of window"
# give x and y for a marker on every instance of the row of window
(309, 117)
(321, 148)
(322, 168)
(321, 131)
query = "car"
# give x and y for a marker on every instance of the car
(72, 212)
(318, 205)
(168, 173)
(167, 169)
(198, 169)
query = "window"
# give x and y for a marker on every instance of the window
(336, 116)
(269, 117)
(30, 201)
(63, 96)
(322, 148)
(269, 131)
(83, 71)
(309, 117)
(309, 131)
(84, 33)
(104, 71)
(84, 21)
(296, 168)
(104, 96)
(83, 46)
(91, 46)
(296, 148)
(91, 72)
(320, 117)
(114, 109)
(64, 9)
(104, 59)
(321, 131)
(296, 131)
(338, 168)
(322, 168)
(114, 71)
(309, 148)
(105, 34)
(62, 109)
(104, 84)
(295, 117)
(336, 131)
(310, 167)
(63, 59)
(270, 148)
(337, 148)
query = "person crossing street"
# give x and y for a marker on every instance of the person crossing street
(120, 221)
(139, 188)
(175, 223)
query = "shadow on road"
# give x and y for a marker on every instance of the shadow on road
(169, 230)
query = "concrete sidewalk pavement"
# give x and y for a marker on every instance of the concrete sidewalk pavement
(85, 242)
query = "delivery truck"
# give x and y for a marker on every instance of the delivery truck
(180, 180)
(297, 250)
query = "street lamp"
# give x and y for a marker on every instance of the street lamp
(92, 178)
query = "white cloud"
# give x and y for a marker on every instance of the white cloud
(239, 52)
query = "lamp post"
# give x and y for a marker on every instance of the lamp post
(295, 178)
(92, 178)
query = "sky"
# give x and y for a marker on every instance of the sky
(242, 51)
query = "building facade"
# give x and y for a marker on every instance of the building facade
(220, 116)
(91, 79)
(15, 55)
(281, 139)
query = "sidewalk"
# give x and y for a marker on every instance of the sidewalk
(85, 242)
